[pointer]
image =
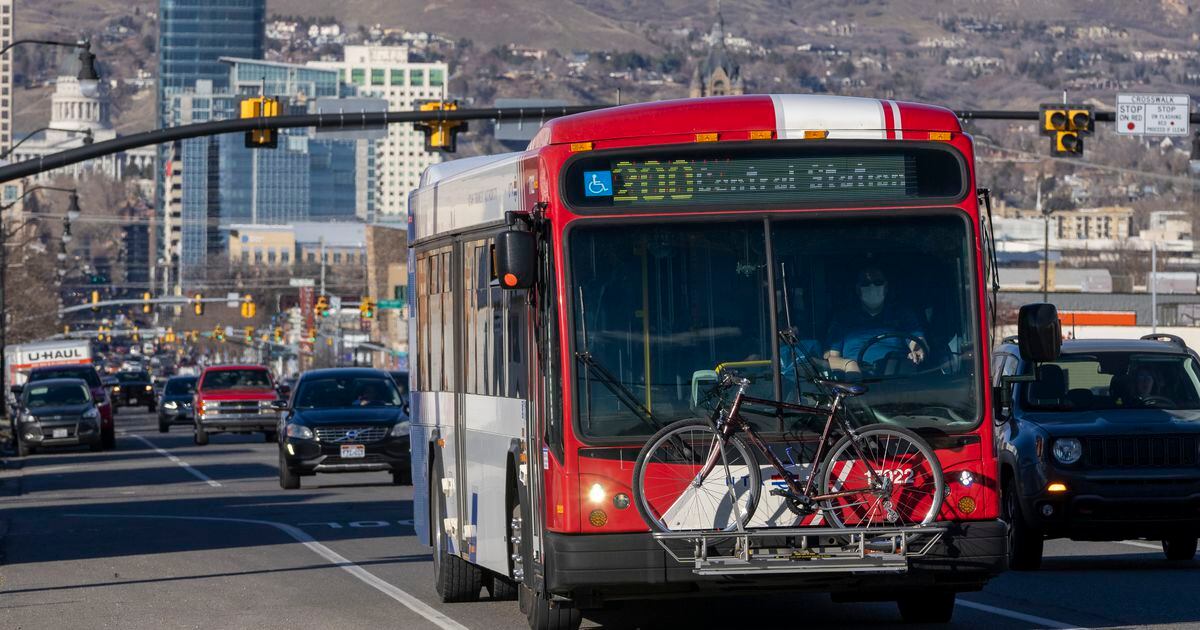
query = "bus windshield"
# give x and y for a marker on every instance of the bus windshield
(661, 311)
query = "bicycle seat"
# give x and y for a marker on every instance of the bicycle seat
(847, 390)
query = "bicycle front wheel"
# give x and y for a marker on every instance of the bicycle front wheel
(676, 491)
(905, 490)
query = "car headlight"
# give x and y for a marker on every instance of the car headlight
(91, 414)
(298, 431)
(170, 405)
(1067, 450)
(401, 429)
(149, 387)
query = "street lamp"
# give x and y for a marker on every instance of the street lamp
(87, 138)
(89, 79)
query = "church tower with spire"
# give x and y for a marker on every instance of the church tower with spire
(717, 75)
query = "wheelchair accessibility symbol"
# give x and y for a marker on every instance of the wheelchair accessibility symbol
(597, 183)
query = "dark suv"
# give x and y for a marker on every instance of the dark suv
(1100, 444)
(88, 374)
(134, 389)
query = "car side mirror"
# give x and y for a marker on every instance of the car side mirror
(1039, 333)
(16, 389)
(516, 259)
(279, 405)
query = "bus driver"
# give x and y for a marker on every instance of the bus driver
(852, 329)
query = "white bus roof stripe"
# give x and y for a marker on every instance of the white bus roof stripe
(842, 116)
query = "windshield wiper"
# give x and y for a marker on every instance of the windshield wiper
(622, 393)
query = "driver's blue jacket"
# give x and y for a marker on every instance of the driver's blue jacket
(851, 330)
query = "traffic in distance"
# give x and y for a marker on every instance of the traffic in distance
(732, 349)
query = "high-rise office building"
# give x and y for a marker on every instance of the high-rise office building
(386, 72)
(7, 26)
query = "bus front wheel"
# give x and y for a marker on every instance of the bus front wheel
(545, 614)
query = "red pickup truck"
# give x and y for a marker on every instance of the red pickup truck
(235, 399)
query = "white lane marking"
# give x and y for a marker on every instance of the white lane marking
(182, 464)
(1040, 622)
(1139, 543)
(409, 601)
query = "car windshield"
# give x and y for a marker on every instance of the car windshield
(56, 395)
(236, 379)
(86, 373)
(132, 377)
(178, 386)
(329, 392)
(1115, 380)
(661, 311)
(401, 379)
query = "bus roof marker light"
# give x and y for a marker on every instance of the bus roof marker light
(816, 134)
(762, 134)
(941, 136)
(707, 137)
(580, 146)
(511, 280)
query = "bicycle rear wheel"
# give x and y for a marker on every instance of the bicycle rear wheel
(906, 490)
(673, 496)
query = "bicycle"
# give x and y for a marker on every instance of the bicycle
(698, 474)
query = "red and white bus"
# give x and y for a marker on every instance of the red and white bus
(673, 241)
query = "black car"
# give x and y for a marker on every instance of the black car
(57, 412)
(88, 374)
(133, 389)
(175, 406)
(1100, 444)
(343, 420)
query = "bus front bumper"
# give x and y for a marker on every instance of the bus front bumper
(602, 567)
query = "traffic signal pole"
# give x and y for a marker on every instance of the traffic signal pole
(363, 120)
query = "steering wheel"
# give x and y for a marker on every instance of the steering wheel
(1157, 401)
(862, 352)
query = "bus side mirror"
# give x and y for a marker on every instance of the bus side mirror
(516, 259)
(1039, 333)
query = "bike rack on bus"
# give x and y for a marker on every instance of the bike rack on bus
(800, 549)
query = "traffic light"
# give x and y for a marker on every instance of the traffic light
(441, 135)
(249, 334)
(146, 308)
(278, 335)
(198, 303)
(312, 334)
(322, 306)
(1066, 125)
(219, 334)
(261, 107)
(95, 300)
(366, 307)
(248, 308)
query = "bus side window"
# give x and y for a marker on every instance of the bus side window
(549, 368)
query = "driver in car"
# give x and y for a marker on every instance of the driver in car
(853, 329)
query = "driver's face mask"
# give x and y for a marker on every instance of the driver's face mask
(872, 295)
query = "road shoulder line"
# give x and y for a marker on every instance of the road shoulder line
(182, 464)
(405, 598)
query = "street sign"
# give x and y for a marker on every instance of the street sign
(335, 304)
(390, 304)
(232, 300)
(301, 282)
(1153, 114)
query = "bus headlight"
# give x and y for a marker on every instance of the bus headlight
(596, 493)
(1067, 450)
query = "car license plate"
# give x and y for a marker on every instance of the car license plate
(351, 451)
(60, 433)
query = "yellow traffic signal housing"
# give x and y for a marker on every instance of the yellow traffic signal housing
(322, 306)
(441, 135)
(218, 334)
(1066, 125)
(261, 107)
(366, 308)
(95, 300)
(278, 335)
(312, 334)
(198, 303)
(248, 308)
(249, 334)
(146, 308)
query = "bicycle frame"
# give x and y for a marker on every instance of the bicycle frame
(734, 423)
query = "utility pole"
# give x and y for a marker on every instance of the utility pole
(1046, 240)
(1154, 286)
(322, 255)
